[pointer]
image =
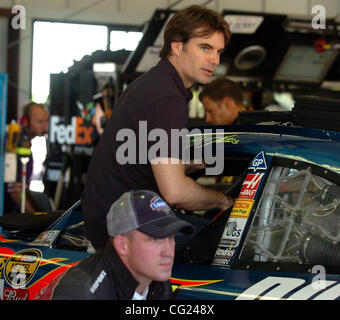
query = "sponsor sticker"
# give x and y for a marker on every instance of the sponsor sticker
(231, 236)
(259, 162)
(223, 255)
(230, 241)
(232, 232)
(21, 267)
(45, 238)
(250, 185)
(157, 204)
(242, 208)
(15, 294)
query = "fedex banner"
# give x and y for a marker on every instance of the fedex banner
(74, 133)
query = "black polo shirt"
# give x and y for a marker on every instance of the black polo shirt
(156, 100)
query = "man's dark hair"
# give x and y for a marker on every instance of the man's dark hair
(222, 87)
(193, 21)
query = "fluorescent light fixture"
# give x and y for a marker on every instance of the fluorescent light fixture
(106, 67)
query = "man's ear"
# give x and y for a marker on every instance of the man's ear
(24, 122)
(120, 243)
(228, 103)
(176, 47)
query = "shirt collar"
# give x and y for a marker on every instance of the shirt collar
(143, 296)
(166, 67)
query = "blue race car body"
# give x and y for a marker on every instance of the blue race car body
(282, 235)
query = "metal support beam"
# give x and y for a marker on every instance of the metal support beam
(3, 115)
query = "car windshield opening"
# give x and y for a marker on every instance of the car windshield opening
(297, 220)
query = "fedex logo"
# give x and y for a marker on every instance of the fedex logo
(74, 133)
(250, 185)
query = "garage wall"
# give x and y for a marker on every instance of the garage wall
(3, 44)
(132, 12)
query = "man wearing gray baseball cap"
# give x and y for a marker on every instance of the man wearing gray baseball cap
(136, 262)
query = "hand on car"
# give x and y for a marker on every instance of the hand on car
(193, 167)
(229, 201)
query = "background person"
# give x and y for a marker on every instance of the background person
(222, 100)
(136, 262)
(34, 122)
(35, 119)
(194, 39)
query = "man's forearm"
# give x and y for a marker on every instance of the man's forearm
(178, 189)
(192, 196)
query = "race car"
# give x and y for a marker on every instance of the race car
(30, 259)
(280, 240)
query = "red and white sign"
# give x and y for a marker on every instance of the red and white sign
(250, 185)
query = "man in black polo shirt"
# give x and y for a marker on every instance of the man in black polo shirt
(193, 41)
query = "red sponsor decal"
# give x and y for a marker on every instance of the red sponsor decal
(250, 185)
(15, 294)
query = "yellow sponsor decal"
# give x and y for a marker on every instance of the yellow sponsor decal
(21, 267)
(242, 208)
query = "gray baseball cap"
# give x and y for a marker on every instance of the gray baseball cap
(145, 211)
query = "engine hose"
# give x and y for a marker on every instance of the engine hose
(317, 250)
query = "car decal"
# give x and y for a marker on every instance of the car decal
(45, 238)
(241, 208)
(250, 185)
(241, 213)
(21, 267)
(5, 253)
(198, 140)
(259, 163)
(8, 293)
(36, 287)
(175, 282)
(276, 288)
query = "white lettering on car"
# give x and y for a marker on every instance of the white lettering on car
(275, 288)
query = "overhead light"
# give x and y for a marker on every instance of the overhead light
(106, 67)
